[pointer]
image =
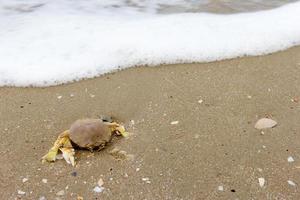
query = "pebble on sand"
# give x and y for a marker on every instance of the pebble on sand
(20, 192)
(146, 179)
(98, 189)
(100, 182)
(174, 122)
(290, 159)
(264, 123)
(24, 180)
(59, 97)
(291, 183)
(261, 182)
(44, 180)
(60, 193)
(220, 188)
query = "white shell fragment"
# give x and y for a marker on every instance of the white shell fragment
(220, 188)
(290, 159)
(98, 189)
(174, 122)
(261, 182)
(24, 180)
(291, 183)
(20, 192)
(265, 123)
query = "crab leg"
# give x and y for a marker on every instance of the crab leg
(68, 152)
(62, 142)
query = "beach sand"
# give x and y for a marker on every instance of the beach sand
(214, 143)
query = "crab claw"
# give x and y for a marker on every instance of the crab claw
(117, 128)
(68, 154)
(121, 131)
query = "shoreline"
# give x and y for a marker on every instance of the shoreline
(214, 143)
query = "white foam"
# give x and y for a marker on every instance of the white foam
(54, 44)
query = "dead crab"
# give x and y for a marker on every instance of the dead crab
(86, 133)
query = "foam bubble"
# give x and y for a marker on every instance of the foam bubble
(50, 45)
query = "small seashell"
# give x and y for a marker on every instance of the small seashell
(265, 123)
(20, 192)
(200, 101)
(261, 182)
(174, 122)
(220, 188)
(100, 182)
(290, 159)
(24, 180)
(291, 183)
(98, 189)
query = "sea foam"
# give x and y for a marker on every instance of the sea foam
(54, 45)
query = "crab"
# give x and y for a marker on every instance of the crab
(86, 134)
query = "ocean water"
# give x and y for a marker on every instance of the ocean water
(46, 42)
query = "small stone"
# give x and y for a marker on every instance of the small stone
(44, 180)
(79, 198)
(174, 122)
(200, 101)
(145, 179)
(196, 136)
(291, 183)
(295, 99)
(220, 188)
(98, 189)
(261, 182)
(137, 169)
(71, 95)
(92, 95)
(20, 192)
(249, 97)
(24, 180)
(59, 97)
(42, 198)
(60, 193)
(290, 159)
(74, 174)
(264, 123)
(259, 169)
(100, 182)
(126, 175)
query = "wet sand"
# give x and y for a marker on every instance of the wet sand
(214, 143)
